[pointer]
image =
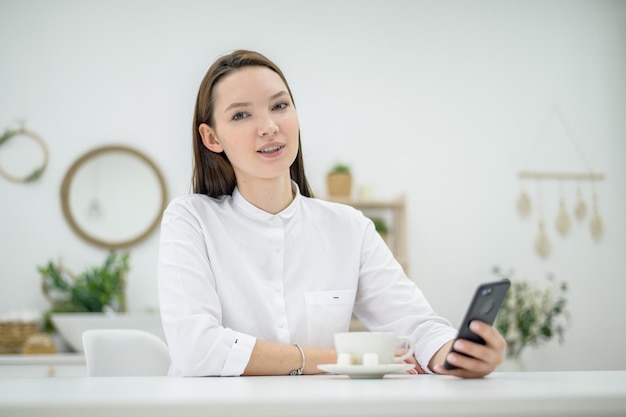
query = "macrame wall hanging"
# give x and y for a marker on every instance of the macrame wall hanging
(562, 221)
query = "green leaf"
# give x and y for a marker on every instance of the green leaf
(532, 314)
(93, 290)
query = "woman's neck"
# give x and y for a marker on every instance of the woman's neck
(272, 195)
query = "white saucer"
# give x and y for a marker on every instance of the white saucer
(366, 372)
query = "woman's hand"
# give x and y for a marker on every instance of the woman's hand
(482, 360)
(417, 369)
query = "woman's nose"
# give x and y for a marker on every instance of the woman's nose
(268, 128)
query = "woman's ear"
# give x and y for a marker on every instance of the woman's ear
(209, 138)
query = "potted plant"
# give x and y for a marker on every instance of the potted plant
(339, 181)
(381, 227)
(531, 314)
(97, 289)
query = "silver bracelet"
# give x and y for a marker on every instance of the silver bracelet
(301, 370)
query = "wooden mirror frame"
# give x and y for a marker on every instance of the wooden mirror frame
(65, 196)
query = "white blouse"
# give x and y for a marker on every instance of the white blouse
(229, 273)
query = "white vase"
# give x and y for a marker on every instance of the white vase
(60, 343)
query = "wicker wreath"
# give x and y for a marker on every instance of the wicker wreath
(38, 172)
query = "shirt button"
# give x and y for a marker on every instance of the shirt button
(282, 324)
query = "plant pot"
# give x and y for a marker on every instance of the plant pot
(339, 184)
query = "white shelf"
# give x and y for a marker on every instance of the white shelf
(41, 366)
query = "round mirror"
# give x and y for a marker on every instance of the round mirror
(113, 196)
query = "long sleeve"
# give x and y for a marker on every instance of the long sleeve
(191, 309)
(388, 300)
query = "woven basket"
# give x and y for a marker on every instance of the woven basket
(39, 343)
(13, 334)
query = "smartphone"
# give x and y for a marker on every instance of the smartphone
(485, 305)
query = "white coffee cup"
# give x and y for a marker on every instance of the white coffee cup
(353, 347)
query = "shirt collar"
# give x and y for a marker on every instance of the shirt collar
(262, 215)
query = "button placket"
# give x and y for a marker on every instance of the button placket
(278, 243)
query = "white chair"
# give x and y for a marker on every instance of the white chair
(125, 352)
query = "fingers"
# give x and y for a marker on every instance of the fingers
(489, 334)
(467, 367)
(459, 372)
(417, 369)
(481, 359)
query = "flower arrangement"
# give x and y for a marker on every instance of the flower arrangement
(531, 314)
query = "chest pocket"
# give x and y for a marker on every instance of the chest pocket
(327, 313)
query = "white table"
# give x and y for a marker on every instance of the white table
(500, 394)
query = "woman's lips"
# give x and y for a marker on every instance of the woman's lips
(271, 150)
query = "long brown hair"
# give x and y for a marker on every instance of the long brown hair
(213, 173)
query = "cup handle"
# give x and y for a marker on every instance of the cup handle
(408, 353)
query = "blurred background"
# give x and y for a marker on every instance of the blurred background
(442, 102)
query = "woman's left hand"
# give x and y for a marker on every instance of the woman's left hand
(481, 359)
(417, 369)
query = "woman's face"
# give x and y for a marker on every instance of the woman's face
(256, 124)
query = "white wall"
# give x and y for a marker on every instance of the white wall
(440, 100)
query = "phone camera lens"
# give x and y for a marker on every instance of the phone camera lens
(487, 291)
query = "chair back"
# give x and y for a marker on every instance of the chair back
(125, 352)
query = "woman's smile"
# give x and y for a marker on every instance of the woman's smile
(271, 150)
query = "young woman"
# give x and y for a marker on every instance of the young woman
(255, 275)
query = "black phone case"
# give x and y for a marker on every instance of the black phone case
(485, 305)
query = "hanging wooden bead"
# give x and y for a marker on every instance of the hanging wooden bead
(580, 210)
(542, 243)
(523, 204)
(563, 222)
(596, 225)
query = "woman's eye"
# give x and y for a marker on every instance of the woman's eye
(280, 106)
(239, 116)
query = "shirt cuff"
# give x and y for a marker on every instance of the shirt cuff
(433, 347)
(239, 355)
